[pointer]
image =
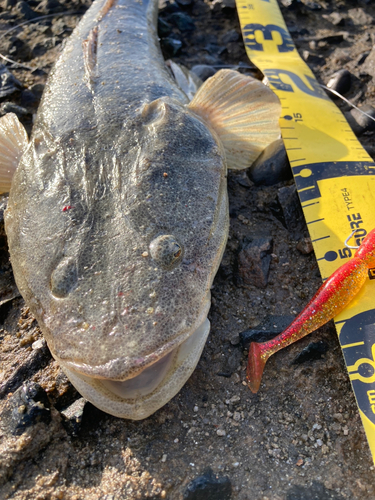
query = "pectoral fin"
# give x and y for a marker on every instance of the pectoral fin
(13, 141)
(242, 111)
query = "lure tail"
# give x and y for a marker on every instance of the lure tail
(255, 367)
(331, 298)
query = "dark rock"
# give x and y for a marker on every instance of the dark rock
(73, 416)
(244, 181)
(28, 406)
(208, 487)
(317, 491)
(171, 46)
(359, 122)
(37, 89)
(292, 215)
(291, 4)
(370, 150)
(362, 58)
(359, 17)
(230, 36)
(19, 48)
(38, 359)
(8, 287)
(168, 6)
(10, 107)
(313, 351)
(164, 28)
(267, 330)
(312, 5)
(8, 83)
(49, 6)
(272, 166)
(203, 71)
(312, 58)
(254, 262)
(305, 246)
(340, 81)
(184, 3)
(9, 4)
(182, 21)
(225, 4)
(28, 98)
(336, 38)
(25, 11)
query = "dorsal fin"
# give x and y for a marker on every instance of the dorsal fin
(13, 142)
(242, 111)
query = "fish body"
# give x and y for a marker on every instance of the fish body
(118, 213)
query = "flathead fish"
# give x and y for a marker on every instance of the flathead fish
(118, 212)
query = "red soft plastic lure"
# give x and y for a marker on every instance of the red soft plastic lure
(331, 298)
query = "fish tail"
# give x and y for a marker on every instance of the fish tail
(255, 366)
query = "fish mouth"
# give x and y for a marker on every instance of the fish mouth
(141, 395)
(148, 380)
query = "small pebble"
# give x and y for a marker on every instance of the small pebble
(359, 122)
(164, 458)
(221, 432)
(38, 344)
(305, 246)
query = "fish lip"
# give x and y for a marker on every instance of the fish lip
(125, 368)
(138, 406)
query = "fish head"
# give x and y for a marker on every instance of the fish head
(116, 233)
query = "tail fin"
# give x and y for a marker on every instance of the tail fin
(255, 366)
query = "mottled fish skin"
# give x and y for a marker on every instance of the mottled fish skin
(117, 171)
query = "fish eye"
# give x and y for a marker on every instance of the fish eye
(64, 278)
(166, 251)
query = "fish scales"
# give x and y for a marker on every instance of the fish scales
(118, 212)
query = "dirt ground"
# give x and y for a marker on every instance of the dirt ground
(300, 437)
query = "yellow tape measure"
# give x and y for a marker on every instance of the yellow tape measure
(335, 179)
